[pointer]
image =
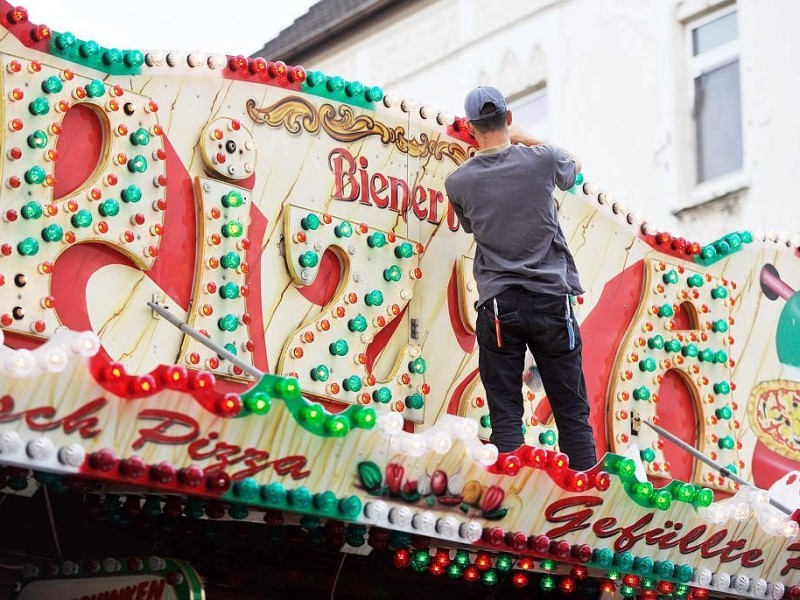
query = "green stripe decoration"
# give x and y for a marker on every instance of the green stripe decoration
(90, 54)
(643, 492)
(311, 416)
(725, 246)
(300, 500)
(337, 88)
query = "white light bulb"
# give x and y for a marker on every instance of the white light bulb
(154, 59)
(703, 576)
(465, 429)
(424, 521)
(401, 516)
(486, 454)
(721, 581)
(777, 590)
(10, 443)
(53, 359)
(40, 448)
(85, 343)
(20, 363)
(72, 455)
(440, 442)
(741, 512)
(471, 531)
(390, 422)
(376, 510)
(447, 526)
(791, 529)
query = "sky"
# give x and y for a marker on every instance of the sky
(227, 27)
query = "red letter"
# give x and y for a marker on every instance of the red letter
(157, 434)
(380, 202)
(417, 198)
(576, 520)
(395, 205)
(335, 161)
(157, 589)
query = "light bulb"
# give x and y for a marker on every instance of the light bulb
(72, 455)
(465, 429)
(486, 454)
(424, 521)
(10, 442)
(471, 531)
(447, 526)
(53, 359)
(85, 343)
(20, 363)
(376, 510)
(40, 448)
(390, 422)
(440, 442)
(400, 516)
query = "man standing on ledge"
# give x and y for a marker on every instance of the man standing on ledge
(525, 274)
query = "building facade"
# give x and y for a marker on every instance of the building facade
(684, 109)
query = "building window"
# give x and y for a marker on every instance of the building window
(530, 111)
(714, 48)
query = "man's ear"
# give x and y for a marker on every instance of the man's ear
(470, 129)
(508, 118)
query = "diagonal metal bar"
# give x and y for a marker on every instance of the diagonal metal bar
(193, 333)
(724, 471)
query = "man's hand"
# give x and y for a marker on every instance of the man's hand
(520, 136)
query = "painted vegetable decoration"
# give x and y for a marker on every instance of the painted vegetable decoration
(435, 488)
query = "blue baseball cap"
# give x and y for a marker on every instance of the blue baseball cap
(478, 98)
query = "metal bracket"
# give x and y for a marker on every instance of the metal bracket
(636, 422)
(159, 299)
(414, 323)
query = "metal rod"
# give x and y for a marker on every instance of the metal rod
(191, 332)
(724, 471)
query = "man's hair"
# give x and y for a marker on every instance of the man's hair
(489, 124)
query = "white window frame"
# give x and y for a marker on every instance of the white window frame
(721, 56)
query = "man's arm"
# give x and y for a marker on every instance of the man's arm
(520, 136)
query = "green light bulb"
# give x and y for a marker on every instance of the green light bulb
(354, 89)
(231, 347)
(648, 364)
(325, 501)
(626, 468)
(132, 193)
(258, 403)
(547, 583)
(112, 57)
(720, 326)
(229, 291)
(31, 210)
(548, 565)
(719, 293)
(352, 383)
(393, 273)
(273, 493)
(310, 221)
(685, 492)
(655, 343)
(287, 388)
(684, 573)
(722, 247)
(722, 387)
(357, 324)
(65, 41)
(338, 348)
(672, 346)
(647, 455)
(28, 247)
(140, 137)
(642, 490)
(38, 139)
(133, 58)
(415, 401)
(734, 241)
(724, 412)
(247, 488)
(350, 506)
(108, 208)
(720, 357)
(704, 498)
(689, 350)
(706, 355)
(299, 497)
(695, 280)
(624, 560)
(404, 250)
(489, 577)
(34, 175)
(337, 425)
(308, 259)
(662, 499)
(312, 414)
(138, 164)
(664, 569)
(373, 94)
(230, 260)
(746, 236)
(95, 89)
(343, 229)
(335, 84)
(708, 252)
(89, 49)
(52, 233)
(233, 199)
(627, 591)
(418, 365)
(454, 571)
(643, 565)
(365, 418)
(666, 310)
(603, 557)
(382, 395)
(461, 559)
(641, 393)
(82, 218)
(228, 323)
(376, 240)
(320, 373)
(726, 442)
(485, 420)
(374, 298)
(547, 437)
(232, 229)
(670, 276)
(39, 106)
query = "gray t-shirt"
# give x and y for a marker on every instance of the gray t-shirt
(504, 197)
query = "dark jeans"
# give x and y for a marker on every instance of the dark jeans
(545, 324)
